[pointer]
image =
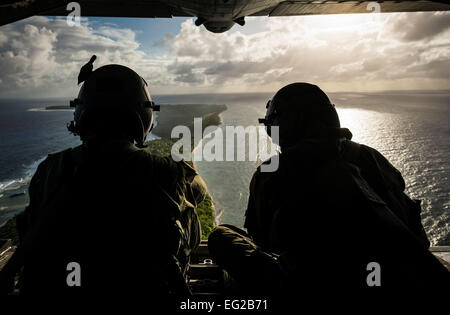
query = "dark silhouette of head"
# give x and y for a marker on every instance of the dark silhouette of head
(300, 110)
(113, 102)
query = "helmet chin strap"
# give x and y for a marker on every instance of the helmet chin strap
(140, 143)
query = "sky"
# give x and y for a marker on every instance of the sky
(40, 57)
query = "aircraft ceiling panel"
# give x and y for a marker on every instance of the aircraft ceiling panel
(289, 8)
(16, 10)
(150, 9)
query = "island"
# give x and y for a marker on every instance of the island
(169, 117)
(183, 114)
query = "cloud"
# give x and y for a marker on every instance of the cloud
(26, 56)
(424, 26)
(165, 41)
(41, 57)
(338, 52)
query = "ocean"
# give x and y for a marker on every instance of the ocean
(410, 128)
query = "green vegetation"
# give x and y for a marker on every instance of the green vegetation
(206, 214)
(160, 147)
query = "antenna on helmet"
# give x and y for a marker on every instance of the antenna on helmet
(86, 70)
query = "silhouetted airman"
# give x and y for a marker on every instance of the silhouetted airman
(126, 218)
(332, 211)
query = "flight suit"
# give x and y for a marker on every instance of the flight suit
(330, 209)
(126, 217)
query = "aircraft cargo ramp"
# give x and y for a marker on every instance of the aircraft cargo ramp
(207, 278)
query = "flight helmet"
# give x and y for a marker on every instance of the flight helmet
(296, 108)
(113, 97)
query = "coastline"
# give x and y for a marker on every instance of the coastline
(172, 116)
(213, 119)
(184, 114)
